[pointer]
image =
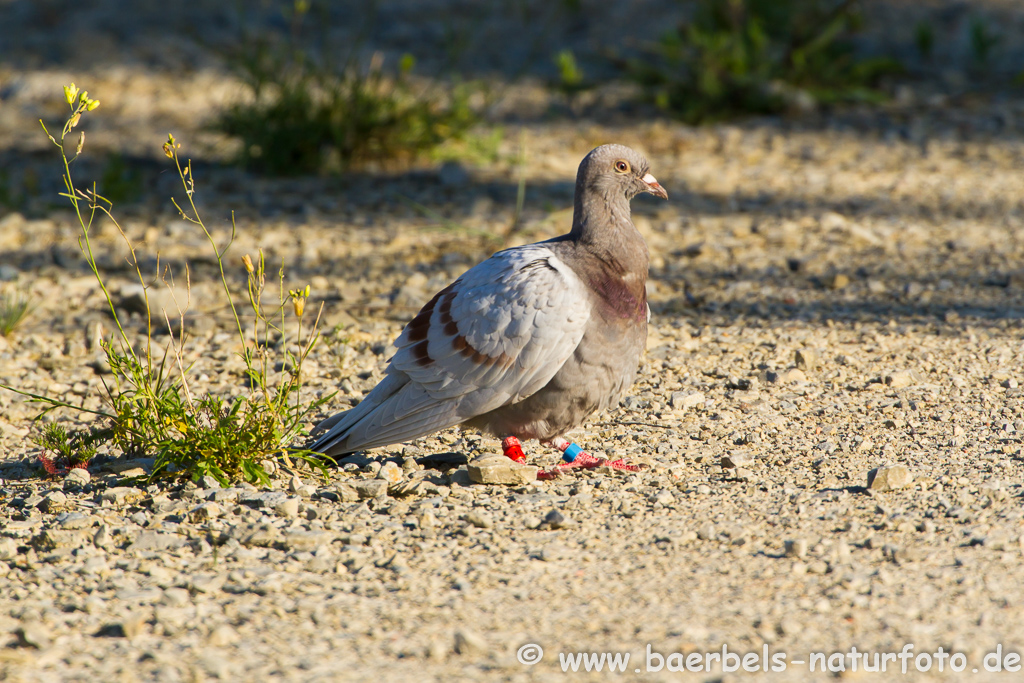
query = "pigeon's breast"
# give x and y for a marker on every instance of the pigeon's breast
(620, 299)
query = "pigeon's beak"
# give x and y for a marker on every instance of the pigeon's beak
(654, 187)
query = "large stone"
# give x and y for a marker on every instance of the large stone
(497, 469)
(889, 478)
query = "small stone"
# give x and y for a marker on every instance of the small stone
(497, 469)
(469, 643)
(204, 513)
(556, 520)
(101, 538)
(222, 636)
(76, 520)
(77, 477)
(126, 628)
(903, 378)
(889, 478)
(806, 359)
(683, 400)
(289, 507)
(837, 281)
(294, 484)
(371, 488)
(269, 466)
(8, 548)
(791, 375)
(176, 597)
(409, 487)
(148, 541)
(390, 472)
(706, 531)
(532, 521)
(32, 634)
(481, 520)
(209, 482)
(553, 552)
(54, 502)
(460, 477)
(122, 495)
(742, 474)
(737, 459)
(346, 493)
(796, 547)
(427, 520)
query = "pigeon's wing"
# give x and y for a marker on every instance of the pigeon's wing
(497, 334)
(493, 337)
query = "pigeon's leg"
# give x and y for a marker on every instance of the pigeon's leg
(576, 457)
(512, 449)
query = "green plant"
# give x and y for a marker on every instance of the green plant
(740, 56)
(153, 406)
(305, 114)
(570, 76)
(924, 39)
(14, 308)
(64, 451)
(983, 41)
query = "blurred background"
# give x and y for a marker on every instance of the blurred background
(824, 157)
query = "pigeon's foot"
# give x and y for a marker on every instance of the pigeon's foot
(577, 458)
(512, 449)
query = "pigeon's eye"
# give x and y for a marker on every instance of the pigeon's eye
(622, 166)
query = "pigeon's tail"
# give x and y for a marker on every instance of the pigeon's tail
(395, 411)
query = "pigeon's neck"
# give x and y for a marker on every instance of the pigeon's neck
(611, 255)
(602, 225)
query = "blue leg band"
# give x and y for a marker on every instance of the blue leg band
(570, 452)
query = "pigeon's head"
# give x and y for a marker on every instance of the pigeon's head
(612, 170)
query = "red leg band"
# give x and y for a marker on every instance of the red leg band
(511, 447)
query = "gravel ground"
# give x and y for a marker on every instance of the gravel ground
(832, 297)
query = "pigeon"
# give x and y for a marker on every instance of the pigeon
(528, 343)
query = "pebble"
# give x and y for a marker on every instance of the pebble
(122, 495)
(683, 400)
(737, 459)
(371, 488)
(796, 547)
(390, 472)
(204, 512)
(32, 634)
(54, 502)
(903, 378)
(555, 519)
(889, 478)
(77, 476)
(289, 507)
(480, 520)
(469, 643)
(806, 359)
